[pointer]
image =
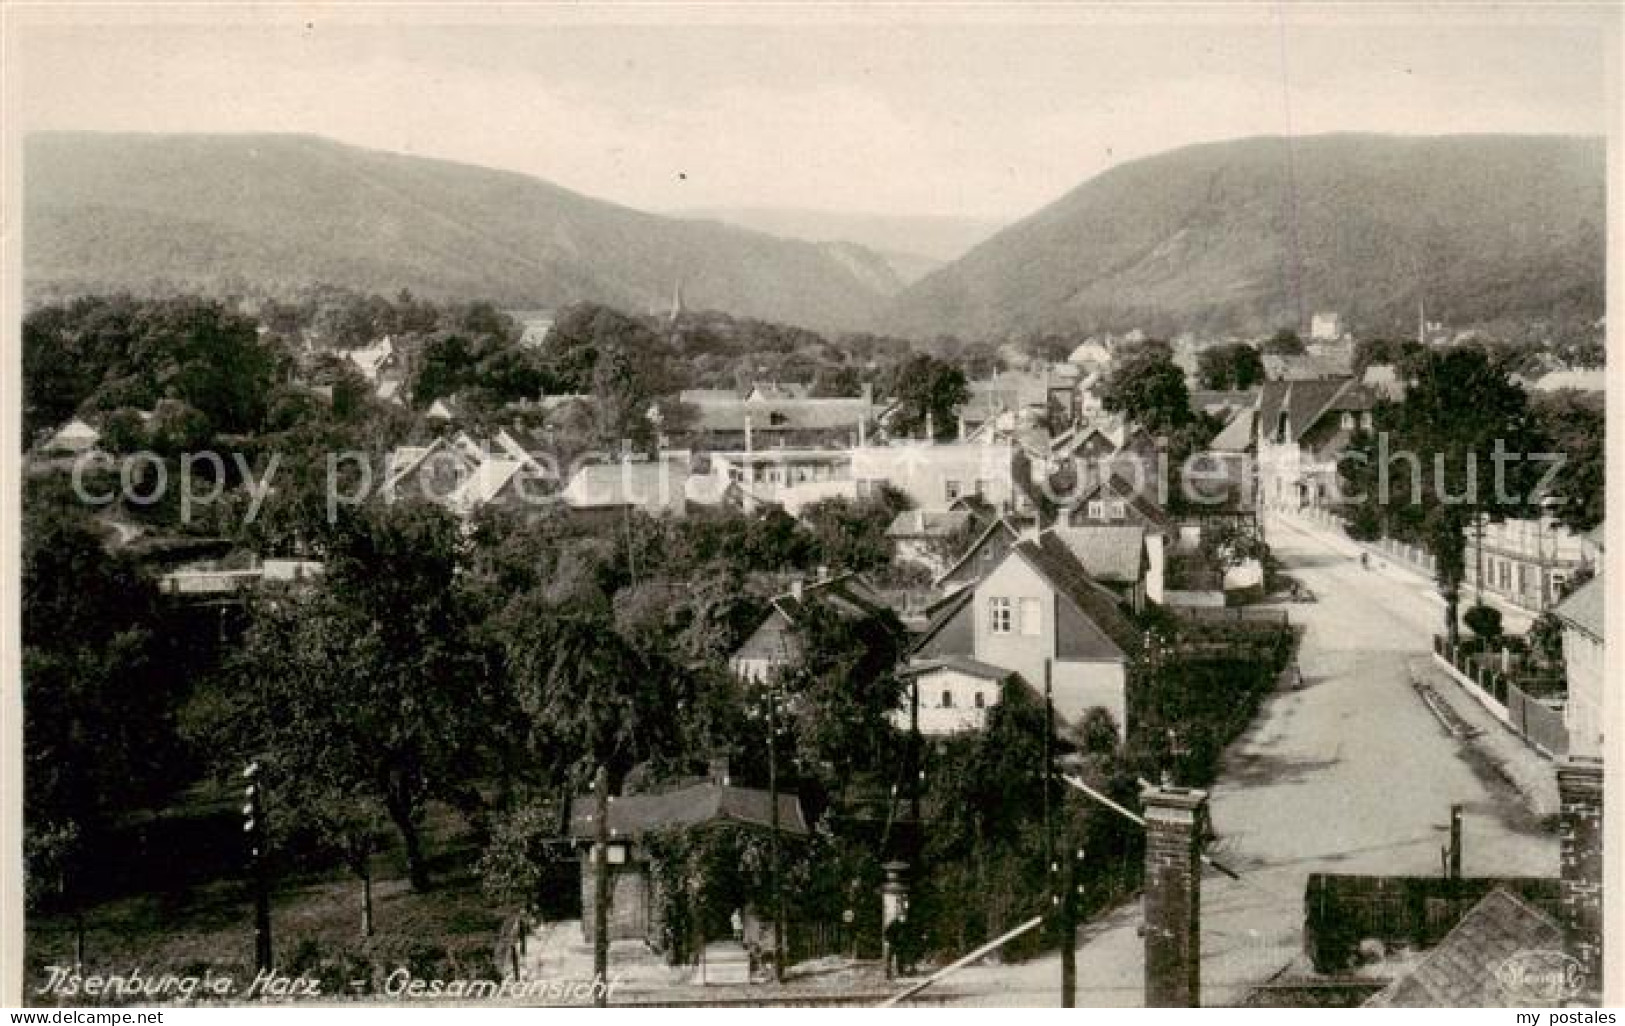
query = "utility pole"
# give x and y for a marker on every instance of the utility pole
(600, 898)
(1049, 770)
(1069, 928)
(773, 800)
(254, 825)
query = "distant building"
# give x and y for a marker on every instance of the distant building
(919, 534)
(787, 478)
(1526, 562)
(465, 475)
(1594, 380)
(934, 475)
(774, 644)
(769, 417)
(657, 486)
(1325, 327)
(72, 438)
(1303, 426)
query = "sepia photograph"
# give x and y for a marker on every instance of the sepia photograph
(743, 505)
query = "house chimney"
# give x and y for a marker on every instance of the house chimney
(795, 589)
(747, 432)
(930, 427)
(1175, 822)
(961, 427)
(863, 424)
(1579, 794)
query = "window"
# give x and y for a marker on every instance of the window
(1097, 510)
(950, 489)
(1365, 420)
(984, 486)
(1117, 509)
(999, 615)
(1348, 421)
(1280, 428)
(947, 699)
(1031, 618)
(981, 701)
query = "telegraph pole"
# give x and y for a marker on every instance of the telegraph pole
(254, 825)
(600, 902)
(1069, 928)
(773, 799)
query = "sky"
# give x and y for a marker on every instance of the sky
(936, 111)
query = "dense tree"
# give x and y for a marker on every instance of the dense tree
(1574, 426)
(1460, 408)
(1150, 389)
(1237, 366)
(366, 683)
(1284, 343)
(927, 388)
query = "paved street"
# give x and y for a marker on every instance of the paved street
(1350, 774)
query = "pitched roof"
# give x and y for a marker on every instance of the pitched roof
(937, 640)
(927, 523)
(975, 546)
(1461, 970)
(1056, 562)
(1115, 486)
(781, 415)
(1305, 402)
(962, 663)
(695, 805)
(649, 484)
(1236, 436)
(1595, 380)
(1584, 608)
(1107, 552)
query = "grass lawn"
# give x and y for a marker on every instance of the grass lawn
(188, 926)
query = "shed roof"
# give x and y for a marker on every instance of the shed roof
(696, 805)
(1461, 970)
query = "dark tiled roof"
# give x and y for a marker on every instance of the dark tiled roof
(1461, 971)
(695, 805)
(1118, 488)
(1000, 525)
(1305, 402)
(781, 414)
(1059, 565)
(942, 636)
(1108, 552)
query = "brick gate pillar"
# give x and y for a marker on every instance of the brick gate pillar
(1175, 822)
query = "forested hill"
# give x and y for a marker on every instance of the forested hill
(1504, 232)
(269, 213)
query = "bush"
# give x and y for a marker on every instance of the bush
(1484, 621)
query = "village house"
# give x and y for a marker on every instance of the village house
(1039, 610)
(72, 438)
(920, 535)
(787, 478)
(634, 894)
(465, 475)
(933, 475)
(657, 486)
(1527, 562)
(770, 417)
(1582, 617)
(774, 644)
(1303, 426)
(980, 557)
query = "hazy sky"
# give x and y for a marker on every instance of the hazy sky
(957, 112)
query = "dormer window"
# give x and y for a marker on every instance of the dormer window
(1348, 421)
(1117, 510)
(1097, 510)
